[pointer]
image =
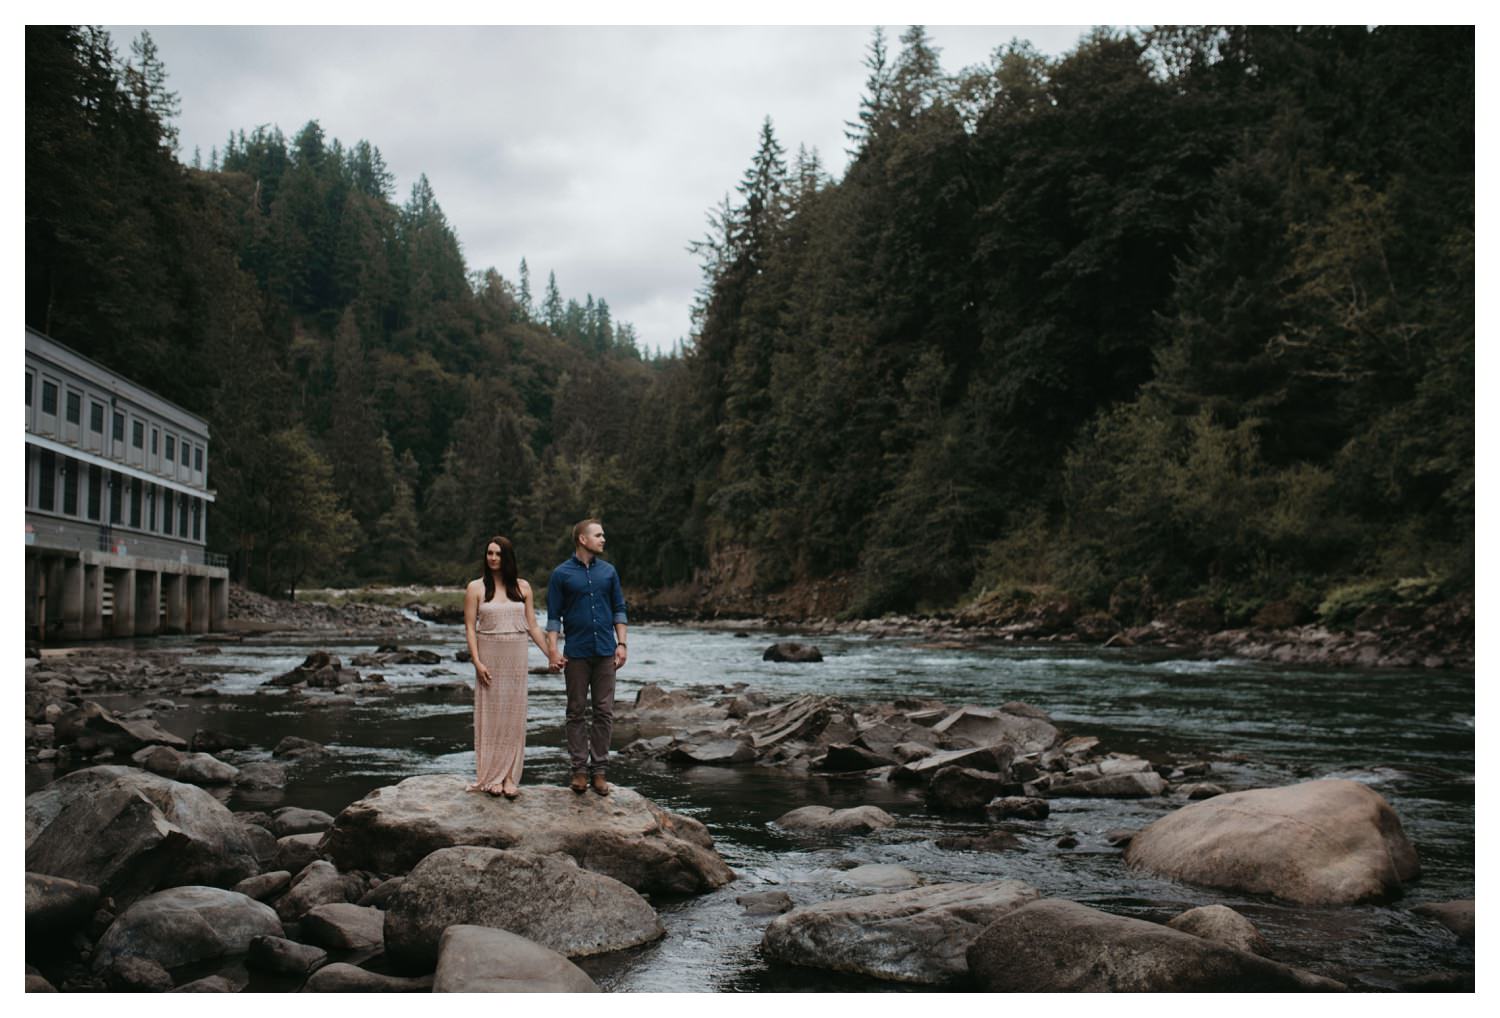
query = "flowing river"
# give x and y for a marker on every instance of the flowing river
(1409, 735)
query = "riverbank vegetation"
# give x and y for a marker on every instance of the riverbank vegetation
(1183, 311)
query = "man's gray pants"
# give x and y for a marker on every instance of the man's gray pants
(590, 682)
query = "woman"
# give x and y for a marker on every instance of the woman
(498, 615)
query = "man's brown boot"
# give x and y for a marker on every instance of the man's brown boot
(579, 782)
(601, 787)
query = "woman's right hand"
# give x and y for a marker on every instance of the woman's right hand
(481, 673)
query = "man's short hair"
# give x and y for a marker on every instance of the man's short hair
(581, 526)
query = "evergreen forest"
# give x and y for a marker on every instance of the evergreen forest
(1184, 309)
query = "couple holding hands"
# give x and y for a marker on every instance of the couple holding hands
(586, 604)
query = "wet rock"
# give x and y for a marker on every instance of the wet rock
(343, 926)
(202, 769)
(93, 727)
(842, 758)
(1458, 916)
(127, 832)
(909, 752)
(1137, 785)
(208, 741)
(341, 977)
(801, 719)
(547, 899)
(262, 844)
(1054, 945)
(995, 758)
(182, 925)
(765, 902)
(1331, 842)
(293, 820)
(1201, 790)
(1222, 924)
(623, 835)
(260, 776)
(793, 652)
(277, 954)
(265, 886)
(162, 760)
(318, 883)
(55, 905)
(1119, 837)
(478, 959)
(318, 669)
(916, 936)
(1017, 807)
(1023, 732)
(293, 747)
(994, 841)
(713, 752)
(137, 975)
(880, 876)
(295, 851)
(964, 789)
(1066, 841)
(827, 820)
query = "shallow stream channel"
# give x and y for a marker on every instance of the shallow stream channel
(1408, 735)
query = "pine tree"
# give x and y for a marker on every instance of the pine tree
(524, 308)
(552, 305)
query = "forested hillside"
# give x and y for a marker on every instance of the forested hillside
(1187, 312)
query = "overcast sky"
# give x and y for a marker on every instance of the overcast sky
(595, 153)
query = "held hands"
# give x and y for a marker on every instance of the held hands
(555, 662)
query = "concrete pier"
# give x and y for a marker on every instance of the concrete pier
(65, 595)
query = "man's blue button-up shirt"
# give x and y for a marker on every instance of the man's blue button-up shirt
(583, 603)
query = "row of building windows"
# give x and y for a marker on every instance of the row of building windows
(190, 455)
(130, 502)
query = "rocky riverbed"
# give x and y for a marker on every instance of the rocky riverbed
(130, 844)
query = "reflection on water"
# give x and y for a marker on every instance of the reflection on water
(1410, 735)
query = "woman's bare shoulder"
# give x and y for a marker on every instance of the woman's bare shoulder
(474, 585)
(525, 586)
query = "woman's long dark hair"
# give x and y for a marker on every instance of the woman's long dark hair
(507, 570)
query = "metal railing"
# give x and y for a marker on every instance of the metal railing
(214, 558)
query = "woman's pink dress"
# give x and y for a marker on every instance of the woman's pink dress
(500, 708)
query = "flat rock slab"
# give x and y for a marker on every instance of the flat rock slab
(1060, 946)
(827, 820)
(478, 959)
(1030, 732)
(916, 936)
(1135, 785)
(623, 835)
(1330, 842)
(547, 899)
(341, 926)
(186, 924)
(765, 902)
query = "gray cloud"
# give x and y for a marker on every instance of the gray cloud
(592, 152)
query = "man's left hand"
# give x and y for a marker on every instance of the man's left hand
(619, 656)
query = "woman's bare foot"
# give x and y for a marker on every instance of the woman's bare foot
(510, 791)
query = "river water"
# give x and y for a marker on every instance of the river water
(1409, 735)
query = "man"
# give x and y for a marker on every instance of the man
(585, 602)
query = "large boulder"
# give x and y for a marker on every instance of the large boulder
(186, 924)
(1458, 916)
(917, 936)
(623, 835)
(964, 789)
(127, 831)
(344, 926)
(55, 905)
(827, 820)
(547, 899)
(1054, 945)
(479, 959)
(1331, 842)
(203, 769)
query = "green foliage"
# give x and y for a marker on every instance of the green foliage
(1180, 313)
